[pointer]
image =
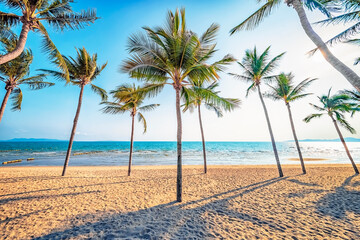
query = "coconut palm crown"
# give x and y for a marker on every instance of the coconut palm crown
(335, 106)
(83, 70)
(200, 94)
(129, 98)
(257, 68)
(285, 90)
(16, 73)
(57, 14)
(174, 55)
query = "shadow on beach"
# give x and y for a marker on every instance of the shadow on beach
(193, 219)
(312, 206)
(340, 201)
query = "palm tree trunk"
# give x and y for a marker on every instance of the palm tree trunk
(203, 140)
(271, 133)
(348, 73)
(73, 130)
(179, 135)
(19, 47)
(296, 139)
(345, 146)
(3, 105)
(131, 143)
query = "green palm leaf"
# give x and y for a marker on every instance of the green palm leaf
(16, 97)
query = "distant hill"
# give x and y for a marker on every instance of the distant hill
(32, 140)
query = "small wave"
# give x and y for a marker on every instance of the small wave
(86, 153)
(44, 153)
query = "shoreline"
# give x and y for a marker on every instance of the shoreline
(293, 165)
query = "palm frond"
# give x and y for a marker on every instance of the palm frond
(312, 116)
(114, 108)
(71, 20)
(9, 19)
(99, 91)
(257, 17)
(149, 107)
(214, 108)
(16, 97)
(142, 119)
(54, 54)
(323, 6)
(36, 82)
(341, 120)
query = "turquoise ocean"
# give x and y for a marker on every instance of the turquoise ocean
(164, 153)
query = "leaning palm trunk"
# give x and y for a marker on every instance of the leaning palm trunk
(349, 74)
(131, 142)
(19, 46)
(3, 105)
(203, 140)
(271, 133)
(345, 146)
(73, 130)
(296, 139)
(179, 135)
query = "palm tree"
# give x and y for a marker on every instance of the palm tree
(335, 107)
(285, 90)
(324, 6)
(83, 70)
(16, 73)
(129, 98)
(207, 95)
(256, 69)
(56, 13)
(174, 55)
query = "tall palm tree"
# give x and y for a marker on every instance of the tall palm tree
(258, 68)
(174, 55)
(285, 90)
(200, 94)
(16, 73)
(83, 70)
(335, 106)
(129, 98)
(298, 5)
(32, 14)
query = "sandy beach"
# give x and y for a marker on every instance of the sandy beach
(230, 202)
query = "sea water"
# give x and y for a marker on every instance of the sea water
(164, 153)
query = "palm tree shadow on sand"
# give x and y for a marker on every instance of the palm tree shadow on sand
(195, 219)
(341, 201)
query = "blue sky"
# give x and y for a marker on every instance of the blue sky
(49, 113)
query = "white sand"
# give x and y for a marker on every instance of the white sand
(230, 202)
